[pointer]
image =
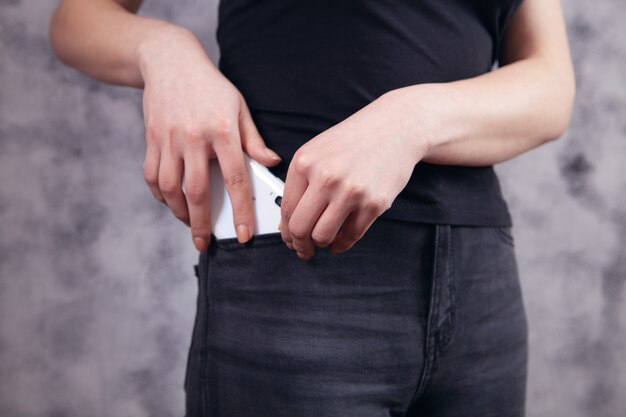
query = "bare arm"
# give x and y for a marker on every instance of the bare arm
(496, 116)
(101, 38)
(340, 181)
(192, 113)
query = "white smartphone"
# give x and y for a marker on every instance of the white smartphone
(267, 192)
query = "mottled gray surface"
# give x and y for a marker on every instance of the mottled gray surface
(97, 293)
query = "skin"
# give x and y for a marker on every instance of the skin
(338, 182)
(192, 112)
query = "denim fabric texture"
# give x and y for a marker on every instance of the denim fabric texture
(414, 320)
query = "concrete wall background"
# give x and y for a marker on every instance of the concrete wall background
(97, 292)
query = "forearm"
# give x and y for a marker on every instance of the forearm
(104, 39)
(503, 113)
(490, 118)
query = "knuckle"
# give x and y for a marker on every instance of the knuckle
(302, 162)
(189, 133)
(304, 253)
(297, 230)
(196, 192)
(200, 229)
(328, 179)
(236, 179)
(298, 246)
(321, 238)
(192, 135)
(298, 234)
(150, 178)
(377, 204)
(286, 237)
(168, 186)
(222, 127)
(357, 191)
(168, 194)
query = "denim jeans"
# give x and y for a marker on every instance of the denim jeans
(414, 320)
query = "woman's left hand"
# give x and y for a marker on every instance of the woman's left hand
(340, 181)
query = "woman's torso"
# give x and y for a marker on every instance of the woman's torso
(306, 65)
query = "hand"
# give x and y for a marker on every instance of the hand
(193, 113)
(340, 181)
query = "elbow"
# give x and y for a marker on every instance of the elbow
(561, 115)
(561, 120)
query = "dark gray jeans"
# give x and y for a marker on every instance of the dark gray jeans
(414, 320)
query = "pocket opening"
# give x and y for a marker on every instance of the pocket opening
(256, 241)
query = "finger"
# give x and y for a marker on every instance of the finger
(295, 186)
(251, 140)
(170, 184)
(303, 219)
(197, 194)
(330, 222)
(151, 170)
(353, 229)
(237, 182)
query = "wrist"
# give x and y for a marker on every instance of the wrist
(420, 122)
(165, 43)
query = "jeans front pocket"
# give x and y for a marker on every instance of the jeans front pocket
(256, 241)
(196, 357)
(190, 351)
(286, 335)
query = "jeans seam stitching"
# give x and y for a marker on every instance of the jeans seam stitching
(451, 315)
(452, 282)
(193, 340)
(430, 323)
(204, 340)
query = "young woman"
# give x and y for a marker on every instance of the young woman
(384, 119)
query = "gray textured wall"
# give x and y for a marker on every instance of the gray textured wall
(97, 293)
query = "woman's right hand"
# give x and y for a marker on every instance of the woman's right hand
(193, 113)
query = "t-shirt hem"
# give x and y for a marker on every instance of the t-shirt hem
(452, 217)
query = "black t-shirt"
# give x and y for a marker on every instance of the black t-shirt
(306, 65)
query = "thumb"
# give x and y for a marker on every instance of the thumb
(251, 140)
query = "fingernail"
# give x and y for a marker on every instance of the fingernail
(304, 256)
(243, 234)
(272, 154)
(200, 244)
